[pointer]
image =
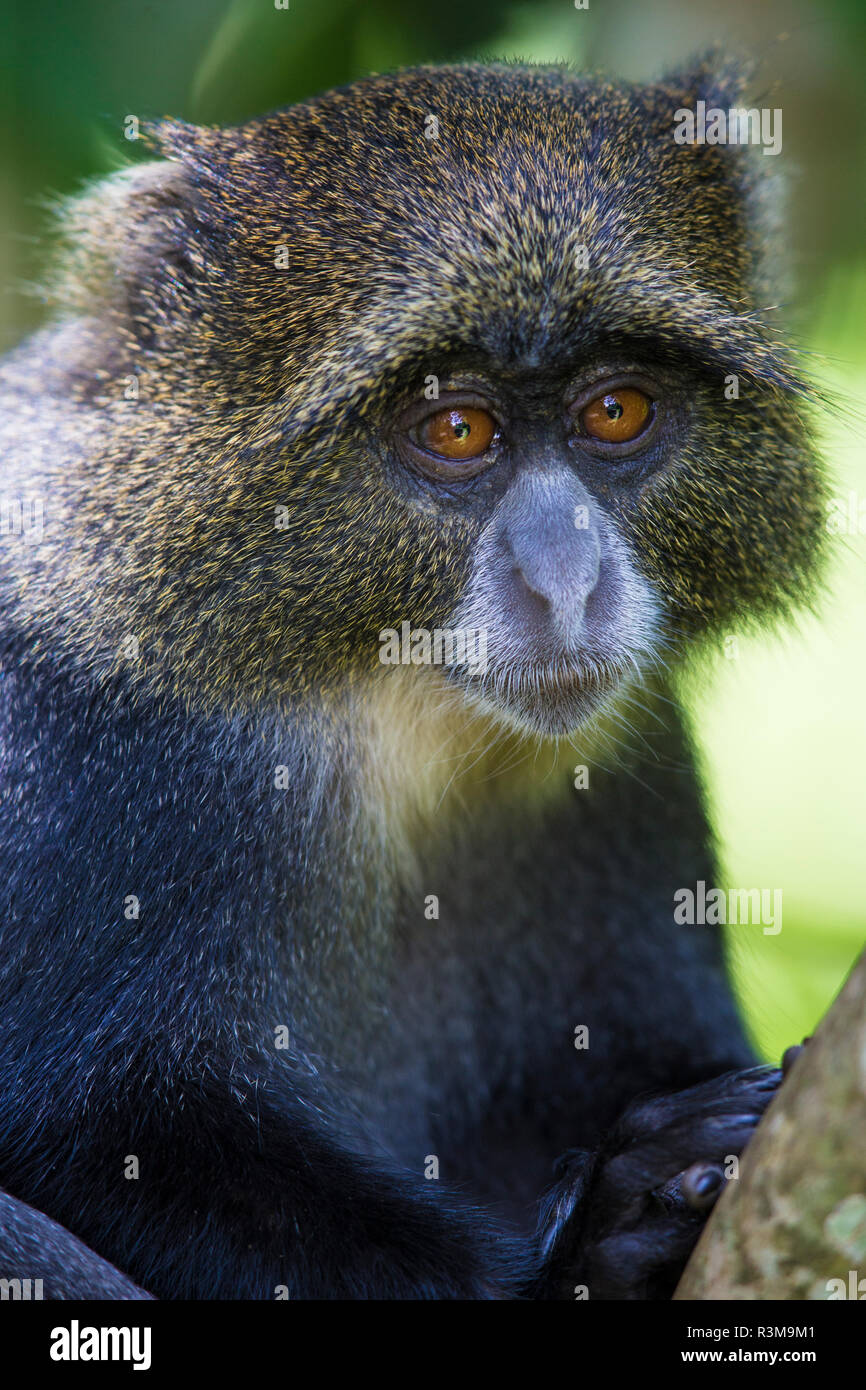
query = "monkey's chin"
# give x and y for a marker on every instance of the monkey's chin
(549, 707)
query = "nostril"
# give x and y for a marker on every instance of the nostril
(523, 578)
(531, 608)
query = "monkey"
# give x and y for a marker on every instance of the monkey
(387, 478)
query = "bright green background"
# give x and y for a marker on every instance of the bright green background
(782, 724)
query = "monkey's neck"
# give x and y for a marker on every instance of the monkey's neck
(425, 757)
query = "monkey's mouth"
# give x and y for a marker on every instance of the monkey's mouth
(550, 700)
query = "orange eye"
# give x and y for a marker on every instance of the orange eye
(618, 416)
(462, 432)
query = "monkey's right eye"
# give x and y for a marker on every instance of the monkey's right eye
(452, 442)
(458, 434)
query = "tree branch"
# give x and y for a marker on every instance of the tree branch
(796, 1217)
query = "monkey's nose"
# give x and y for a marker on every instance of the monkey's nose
(551, 614)
(554, 565)
(559, 576)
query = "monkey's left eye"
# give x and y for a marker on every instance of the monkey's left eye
(618, 416)
(452, 442)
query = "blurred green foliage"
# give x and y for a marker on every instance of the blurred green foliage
(781, 726)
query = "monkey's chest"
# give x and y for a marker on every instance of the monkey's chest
(461, 1064)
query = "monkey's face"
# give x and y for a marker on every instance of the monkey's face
(553, 613)
(501, 376)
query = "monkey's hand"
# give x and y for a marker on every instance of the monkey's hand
(623, 1220)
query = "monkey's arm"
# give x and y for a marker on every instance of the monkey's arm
(239, 1200)
(33, 1247)
(263, 1204)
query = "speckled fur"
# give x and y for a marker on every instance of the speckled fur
(153, 773)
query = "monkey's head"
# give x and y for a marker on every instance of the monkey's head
(472, 349)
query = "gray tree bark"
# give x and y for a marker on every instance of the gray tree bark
(795, 1219)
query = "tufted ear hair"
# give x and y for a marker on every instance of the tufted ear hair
(718, 78)
(133, 265)
(200, 149)
(113, 235)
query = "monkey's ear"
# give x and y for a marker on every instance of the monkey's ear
(718, 78)
(112, 234)
(197, 147)
(134, 245)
